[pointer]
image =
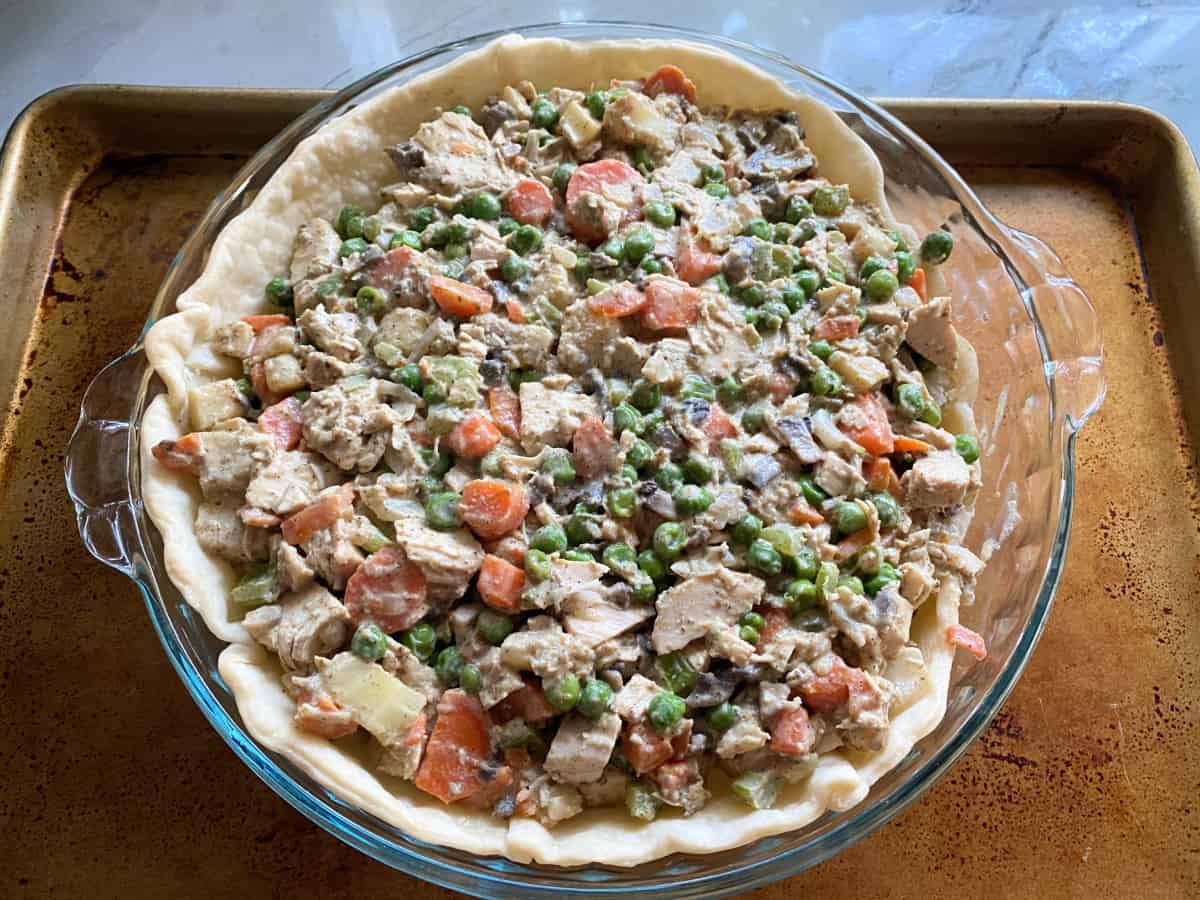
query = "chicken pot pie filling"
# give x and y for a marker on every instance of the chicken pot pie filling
(594, 472)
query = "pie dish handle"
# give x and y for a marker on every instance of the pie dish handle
(97, 465)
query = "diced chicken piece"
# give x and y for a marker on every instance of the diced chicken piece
(700, 605)
(405, 665)
(521, 346)
(838, 300)
(316, 710)
(581, 748)
(632, 700)
(294, 573)
(348, 427)
(549, 278)
(594, 620)
(773, 697)
(891, 616)
(316, 250)
(322, 370)
(743, 736)
(499, 680)
(333, 552)
(228, 459)
(291, 480)
(871, 241)
(608, 791)
(724, 641)
(838, 478)
(449, 559)
(403, 758)
(403, 328)
(931, 333)
(719, 337)
(552, 802)
(549, 418)
(936, 481)
(215, 402)
(301, 626)
(233, 339)
(567, 578)
(669, 362)
(334, 333)
(589, 341)
(635, 119)
(679, 783)
(727, 507)
(219, 530)
(779, 649)
(543, 648)
(957, 559)
(868, 713)
(916, 582)
(862, 373)
(451, 155)
(275, 340)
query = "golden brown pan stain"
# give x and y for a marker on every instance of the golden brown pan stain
(1084, 786)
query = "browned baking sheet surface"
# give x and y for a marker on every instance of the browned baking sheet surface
(1086, 785)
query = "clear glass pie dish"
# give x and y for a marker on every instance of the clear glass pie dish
(1038, 343)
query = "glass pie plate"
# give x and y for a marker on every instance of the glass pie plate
(1038, 343)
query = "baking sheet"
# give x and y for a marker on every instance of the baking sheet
(1084, 786)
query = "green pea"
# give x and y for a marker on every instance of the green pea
(822, 350)
(537, 565)
(421, 217)
(246, 388)
(549, 539)
(575, 555)
(898, 240)
(642, 160)
(772, 316)
(562, 175)
(936, 247)
(910, 400)
(752, 294)
(759, 228)
(669, 538)
(563, 694)
(886, 575)
(481, 205)
(853, 582)
(659, 213)
(627, 418)
(513, 268)
(449, 666)
(754, 418)
(369, 642)
(712, 173)
(506, 226)
(370, 301)
(526, 239)
(618, 391)
(826, 382)
(665, 711)
(595, 103)
(441, 511)
(886, 508)
(621, 558)
(543, 114)
(677, 672)
(582, 270)
(613, 248)
(763, 558)
(749, 635)
(872, 265)
(649, 563)
(352, 246)
(716, 189)
(800, 595)
(729, 391)
(470, 678)
(932, 415)
(797, 210)
(966, 446)
(669, 476)
(652, 266)
(461, 110)
(747, 529)
(278, 292)
(718, 283)
(627, 474)
(583, 528)
(849, 517)
(406, 238)
(409, 376)
(722, 716)
(639, 454)
(436, 235)
(905, 266)
(646, 396)
(831, 200)
(493, 626)
(638, 243)
(783, 232)
(698, 469)
(558, 464)
(881, 285)
(420, 639)
(809, 281)
(640, 802)
(691, 498)
(622, 502)
(803, 563)
(753, 620)
(791, 296)
(698, 387)
(594, 699)
(349, 222)
(438, 463)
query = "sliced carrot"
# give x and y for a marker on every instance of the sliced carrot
(493, 508)
(500, 584)
(610, 178)
(530, 202)
(774, 620)
(618, 301)
(515, 311)
(865, 421)
(694, 264)
(593, 449)
(801, 513)
(262, 322)
(836, 328)
(718, 426)
(852, 543)
(458, 298)
(669, 80)
(644, 747)
(505, 407)
(387, 589)
(878, 472)
(971, 641)
(282, 423)
(792, 733)
(384, 271)
(299, 527)
(917, 282)
(258, 380)
(496, 783)
(905, 444)
(825, 694)
(180, 455)
(670, 304)
(473, 437)
(528, 703)
(457, 750)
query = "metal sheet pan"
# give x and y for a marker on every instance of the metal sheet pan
(1084, 786)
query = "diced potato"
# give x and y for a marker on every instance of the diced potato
(634, 119)
(379, 702)
(275, 341)
(862, 373)
(284, 374)
(669, 362)
(578, 125)
(513, 98)
(209, 404)
(871, 241)
(403, 329)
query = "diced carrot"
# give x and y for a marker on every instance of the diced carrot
(282, 422)
(500, 584)
(618, 301)
(852, 543)
(528, 703)
(825, 694)
(511, 547)
(904, 444)
(792, 733)
(774, 620)
(457, 750)
(836, 328)
(473, 437)
(299, 527)
(693, 264)
(316, 713)
(505, 407)
(718, 426)
(878, 472)
(530, 202)
(458, 298)
(644, 747)
(493, 508)
(258, 380)
(515, 311)
(610, 178)
(262, 322)
(669, 80)
(670, 304)
(593, 448)
(971, 641)
(387, 589)
(917, 282)
(496, 783)
(180, 455)
(801, 513)
(865, 421)
(384, 271)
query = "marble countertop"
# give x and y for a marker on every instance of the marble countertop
(1139, 52)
